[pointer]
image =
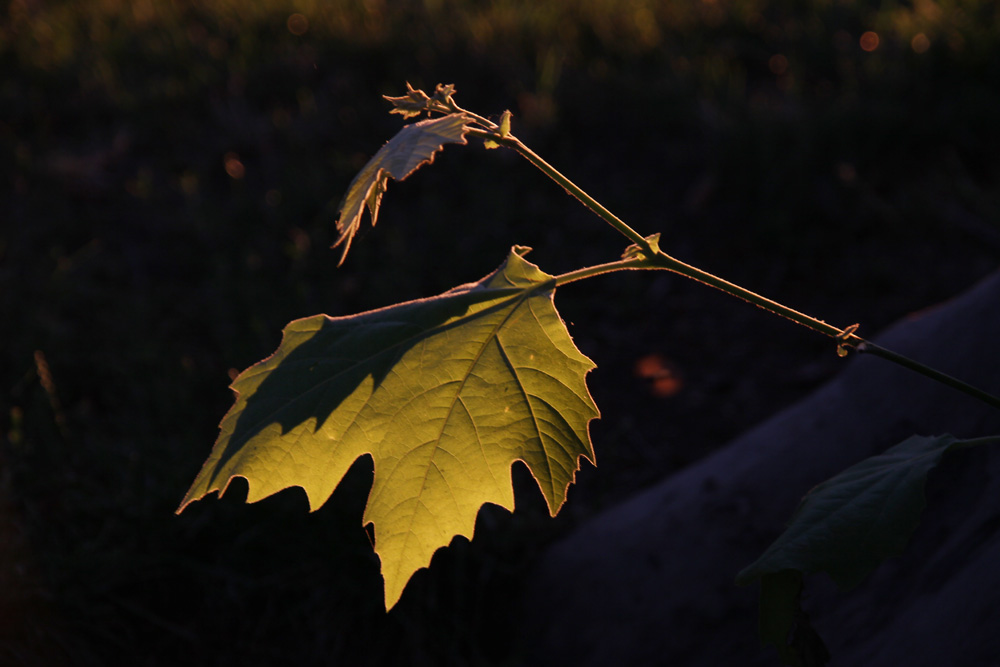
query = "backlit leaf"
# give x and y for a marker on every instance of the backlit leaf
(416, 101)
(444, 394)
(412, 104)
(413, 146)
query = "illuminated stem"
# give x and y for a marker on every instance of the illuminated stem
(649, 256)
(510, 141)
(599, 269)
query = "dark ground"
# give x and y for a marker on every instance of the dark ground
(168, 172)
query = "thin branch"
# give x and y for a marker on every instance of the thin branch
(651, 257)
(510, 141)
(868, 347)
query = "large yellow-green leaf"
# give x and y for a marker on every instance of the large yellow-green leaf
(444, 394)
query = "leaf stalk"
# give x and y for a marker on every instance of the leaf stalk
(599, 269)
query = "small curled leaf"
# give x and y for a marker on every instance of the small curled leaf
(413, 146)
(416, 101)
(503, 130)
(443, 93)
(412, 104)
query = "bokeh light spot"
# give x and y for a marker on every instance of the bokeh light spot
(189, 183)
(869, 41)
(234, 167)
(660, 372)
(920, 43)
(846, 172)
(297, 24)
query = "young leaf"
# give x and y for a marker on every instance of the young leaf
(442, 95)
(413, 146)
(416, 101)
(412, 104)
(503, 129)
(505, 124)
(845, 527)
(443, 393)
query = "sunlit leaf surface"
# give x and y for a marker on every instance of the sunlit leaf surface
(444, 394)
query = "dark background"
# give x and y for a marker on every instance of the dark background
(170, 172)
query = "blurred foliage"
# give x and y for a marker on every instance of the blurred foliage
(169, 171)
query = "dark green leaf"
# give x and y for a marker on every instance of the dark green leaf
(845, 526)
(848, 524)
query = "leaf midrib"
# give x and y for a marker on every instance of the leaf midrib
(494, 335)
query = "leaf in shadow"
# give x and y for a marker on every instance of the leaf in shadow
(845, 527)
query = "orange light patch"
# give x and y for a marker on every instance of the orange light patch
(234, 167)
(297, 24)
(665, 381)
(869, 41)
(778, 64)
